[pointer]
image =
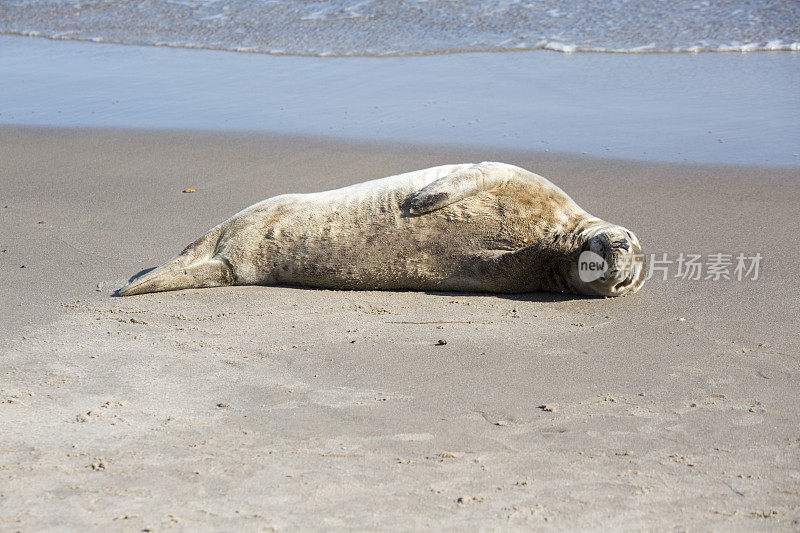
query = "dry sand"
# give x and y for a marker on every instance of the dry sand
(258, 408)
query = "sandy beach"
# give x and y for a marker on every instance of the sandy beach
(280, 408)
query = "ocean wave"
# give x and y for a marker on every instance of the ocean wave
(416, 27)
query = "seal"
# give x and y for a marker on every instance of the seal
(487, 227)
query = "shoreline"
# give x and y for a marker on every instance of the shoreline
(552, 46)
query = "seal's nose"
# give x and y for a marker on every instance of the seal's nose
(622, 243)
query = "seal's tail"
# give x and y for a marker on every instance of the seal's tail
(195, 267)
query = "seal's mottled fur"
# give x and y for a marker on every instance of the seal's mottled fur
(488, 227)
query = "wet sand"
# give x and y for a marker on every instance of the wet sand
(250, 408)
(740, 109)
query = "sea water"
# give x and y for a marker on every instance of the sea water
(407, 82)
(410, 27)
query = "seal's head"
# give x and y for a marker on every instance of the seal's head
(610, 262)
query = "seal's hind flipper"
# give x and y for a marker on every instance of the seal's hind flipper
(458, 185)
(195, 267)
(176, 275)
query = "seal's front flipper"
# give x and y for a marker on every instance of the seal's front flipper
(461, 184)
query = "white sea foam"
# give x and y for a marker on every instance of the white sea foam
(408, 27)
(562, 47)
